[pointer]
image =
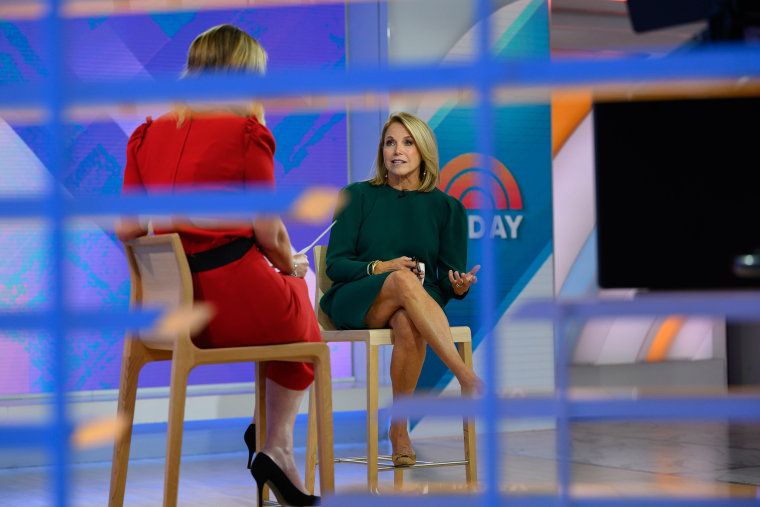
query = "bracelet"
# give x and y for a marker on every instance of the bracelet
(371, 267)
(295, 269)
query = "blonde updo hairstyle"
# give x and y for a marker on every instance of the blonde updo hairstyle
(424, 139)
(226, 48)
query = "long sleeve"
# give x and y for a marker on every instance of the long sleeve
(342, 260)
(453, 248)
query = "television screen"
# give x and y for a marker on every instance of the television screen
(677, 192)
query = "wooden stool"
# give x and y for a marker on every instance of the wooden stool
(160, 276)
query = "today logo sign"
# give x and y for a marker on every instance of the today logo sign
(494, 187)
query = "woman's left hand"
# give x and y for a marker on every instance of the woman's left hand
(461, 282)
(301, 263)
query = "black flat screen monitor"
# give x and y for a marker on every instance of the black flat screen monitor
(677, 192)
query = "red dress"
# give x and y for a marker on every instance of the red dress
(255, 304)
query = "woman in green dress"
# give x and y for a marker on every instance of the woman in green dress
(386, 230)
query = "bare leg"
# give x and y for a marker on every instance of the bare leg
(402, 289)
(406, 364)
(282, 408)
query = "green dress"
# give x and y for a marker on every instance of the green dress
(382, 223)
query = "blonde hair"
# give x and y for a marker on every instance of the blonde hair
(424, 139)
(225, 48)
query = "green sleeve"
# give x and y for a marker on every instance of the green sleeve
(342, 262)
(453, 248)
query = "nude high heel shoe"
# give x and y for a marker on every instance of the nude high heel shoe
(401, 459)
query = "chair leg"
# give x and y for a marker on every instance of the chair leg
(468, 427)
(398, 478)
(132, 362)
(261, 404)
(180, 370)
(372, 401)
(261, 411)
(311, 441)
(323, 380)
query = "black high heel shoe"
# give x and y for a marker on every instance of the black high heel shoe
(250, 441)
(266, 472)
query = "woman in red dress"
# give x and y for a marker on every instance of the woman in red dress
(229, 148)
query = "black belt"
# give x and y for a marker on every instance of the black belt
(219, 256)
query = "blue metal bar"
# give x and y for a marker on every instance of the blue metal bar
(25, 319)
(726, 62)
(56, 319)
(27, 435)
(488, 408)
(671, 408)
(736, 62)
(523, 500)
(31, 207)
(734, 306)
(563, 409)
(246, 202)
(710, 408)
(240, 203)
(112, 320)
(663, 502)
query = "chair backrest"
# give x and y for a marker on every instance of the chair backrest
(159, 271)
(159, 275)
(323, 283)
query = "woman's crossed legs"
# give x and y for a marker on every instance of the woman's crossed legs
(417, 321)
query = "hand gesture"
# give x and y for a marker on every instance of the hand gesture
(461, 282)
(394, 265)
(301, 263)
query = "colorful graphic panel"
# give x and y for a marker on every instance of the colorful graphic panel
(311, 147)
(508, 198)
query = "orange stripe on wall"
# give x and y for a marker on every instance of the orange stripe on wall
(664, 338)
(568, 111)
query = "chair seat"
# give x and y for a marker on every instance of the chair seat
(460, 334)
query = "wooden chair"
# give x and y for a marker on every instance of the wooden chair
(374, 338)
(160, 276)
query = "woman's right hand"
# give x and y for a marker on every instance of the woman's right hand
(394, 265)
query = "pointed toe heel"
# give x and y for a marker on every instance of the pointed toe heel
(266, 472)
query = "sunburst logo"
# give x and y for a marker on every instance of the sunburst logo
(495, 188)
(477, 188)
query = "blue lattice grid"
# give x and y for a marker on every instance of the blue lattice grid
(483, 75)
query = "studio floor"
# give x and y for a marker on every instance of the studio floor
(716, 461)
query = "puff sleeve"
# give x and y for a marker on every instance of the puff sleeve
(259, 155)
(132, 179)
(453, 248)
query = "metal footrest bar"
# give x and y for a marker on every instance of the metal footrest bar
(385, 463)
